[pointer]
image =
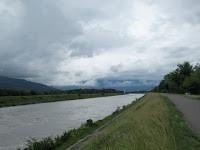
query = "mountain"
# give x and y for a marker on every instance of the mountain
(20, 84)
(123, 85)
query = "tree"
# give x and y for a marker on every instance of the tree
(185, 69)
(174, 81)
(192, 83)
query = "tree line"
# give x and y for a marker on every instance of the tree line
(10, 92)
(184, 79)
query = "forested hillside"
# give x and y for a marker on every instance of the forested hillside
(185, 79)
(20, 84)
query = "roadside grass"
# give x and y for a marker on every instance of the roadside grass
(197, 97)
(154, 124)
(6, 101)
(72, 136)
(185, 137)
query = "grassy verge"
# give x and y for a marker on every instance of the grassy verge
(6, 101)
(197, 97)
(154, 124)
(70, 137)
(185, 137)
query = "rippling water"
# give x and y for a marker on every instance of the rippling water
(50, 119)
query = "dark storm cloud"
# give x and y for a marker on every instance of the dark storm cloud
(35, 45)
(84, 48)
(66, 42)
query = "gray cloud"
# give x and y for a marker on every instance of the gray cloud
(70, 42)
(116, 68)
(36, 45)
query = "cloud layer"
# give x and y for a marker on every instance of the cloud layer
(68, 42)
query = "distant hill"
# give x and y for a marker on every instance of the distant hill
(122, 85)
(20, 84)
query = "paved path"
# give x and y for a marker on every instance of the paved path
(190, 109)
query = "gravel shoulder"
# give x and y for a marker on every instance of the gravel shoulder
(190, 109)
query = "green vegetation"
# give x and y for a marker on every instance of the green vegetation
(10, 97)
(10, 92)
(154, 124)
(185, 79)
(185, 137)
(197, 97)
(6, 101)
(72, 136)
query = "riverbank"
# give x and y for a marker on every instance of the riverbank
(6, 101)
(70, 137)
(153, 123)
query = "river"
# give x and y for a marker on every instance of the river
(19, 123)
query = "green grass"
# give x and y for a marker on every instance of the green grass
(70, 137)
(154, 124)
(185, 137)
(6, 101)
(197, 97)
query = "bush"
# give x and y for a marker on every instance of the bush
(90, 123)
(46, 144)
(116, 111)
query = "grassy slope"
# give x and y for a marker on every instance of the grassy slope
(197, 97)
(6, 101)
(154, 123)
(81, 133)
(72, 136)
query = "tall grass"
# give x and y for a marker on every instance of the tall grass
(185, 137)
(152, 124)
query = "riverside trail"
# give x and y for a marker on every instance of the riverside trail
(190, 109)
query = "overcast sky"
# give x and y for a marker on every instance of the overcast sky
(66, 42)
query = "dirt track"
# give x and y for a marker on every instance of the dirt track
(190, 109)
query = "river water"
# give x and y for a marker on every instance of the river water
(19, 123)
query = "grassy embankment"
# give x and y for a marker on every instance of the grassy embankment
(197, 97)
(154, 124)
(70, 137)
(6, 101)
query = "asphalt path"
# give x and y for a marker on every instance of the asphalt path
(190, 109)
